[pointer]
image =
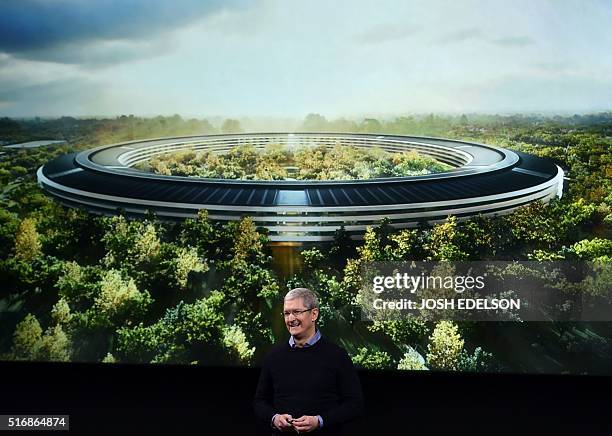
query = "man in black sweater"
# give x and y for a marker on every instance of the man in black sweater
(308, 384)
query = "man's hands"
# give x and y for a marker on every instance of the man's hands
(283, 422)
(303, 424)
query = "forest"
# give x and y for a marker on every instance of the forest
(277, 162)
(81, 287)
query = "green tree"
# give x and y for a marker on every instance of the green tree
(372, 359)
(178, 263)
(314, 123)
(443, 242)
(78, 285)
(235, 340)
(27, 339)
(479, 361)
(187, 333)
(61, 312)
(231, 126)
(130, 244)
(248, 243)
(119, 300)
(30, 344)
(445, 346)
(412, 361)
(533, 226)
(27, 242)
(401, 331)
(9, 225)
(200, 233)
(371, 125)
(593, 249)
(109, 358)
(56, 345)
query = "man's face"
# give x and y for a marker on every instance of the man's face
(302, 325)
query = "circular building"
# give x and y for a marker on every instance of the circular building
(484, 180)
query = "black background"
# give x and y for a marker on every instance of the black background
(168, 399)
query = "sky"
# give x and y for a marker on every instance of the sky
(282, 58)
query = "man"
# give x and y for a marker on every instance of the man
(308, 384)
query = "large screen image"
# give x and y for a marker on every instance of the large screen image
(439, 174)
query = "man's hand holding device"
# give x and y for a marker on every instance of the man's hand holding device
(283, 422)
(305, 424)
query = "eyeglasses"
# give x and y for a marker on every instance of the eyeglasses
(295, 313)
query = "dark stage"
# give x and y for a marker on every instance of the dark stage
(150, 399)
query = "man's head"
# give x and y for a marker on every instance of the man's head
(301, 310)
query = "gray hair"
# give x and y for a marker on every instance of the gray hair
(310, 298)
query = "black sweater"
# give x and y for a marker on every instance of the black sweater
(315, 380)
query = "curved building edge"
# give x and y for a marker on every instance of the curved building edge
(309, 222)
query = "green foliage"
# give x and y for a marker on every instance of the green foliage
(256, 327)
(136, 248)
(481, 237)
(248, 243)
(401, 331)
(200, 233)
(314, 123)
(443, 242)
(336, 300)
(94, 301)
(309, 163)
(56, 346)
(548, 227)
(412, 361)
(235, 339)
(371, 359)
(68, 233)
(478, 361)
(313, 258)
(30, 344)
(344, 162)
(405, 245)
(27, 339)
(342, 248)
(445, 347)
(130, 243)
(231, 126)
(177, 263)
(60, 313)
(595, 249)
(109, 358)
(27, 242)
(30, 278)
(545, 255)
(118, 301)
(371, 125)
(87, 275)
(410, 163)
(186, 333)
(9, 224)
(78, 285)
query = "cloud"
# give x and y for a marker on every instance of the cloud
(100, 53)
(474, 34)
(462, 35)
(51, 30)
(386, 32)
(17, 73)
(556, 66)
(513, 41)
(5, 60)
(290, 58)
(54, 98)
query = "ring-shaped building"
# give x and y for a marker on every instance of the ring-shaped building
(484, 180)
